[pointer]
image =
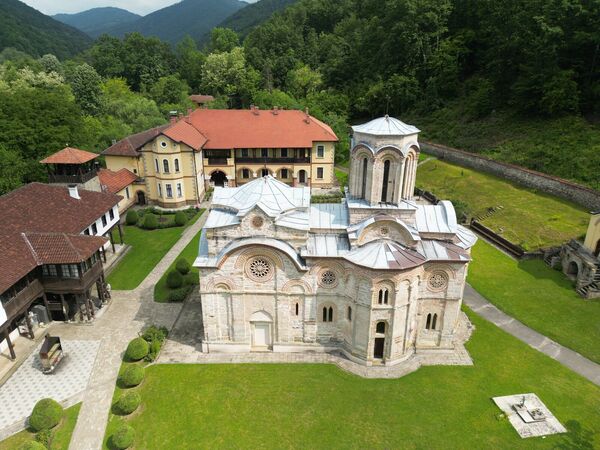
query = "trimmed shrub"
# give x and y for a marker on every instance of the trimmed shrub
(150, 222)
(183, 266)
(154, 333)
(44, 437)
(123, 437)
(191, 279)
(45, 415)
(154, 350)
(180, 218)
(179, 295)
(32, 445)
(137, 349)
(132, 376)
(128, 403)
(132, 217)
(174, 279)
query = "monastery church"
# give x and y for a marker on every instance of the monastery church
(378, 277)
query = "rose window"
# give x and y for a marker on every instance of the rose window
(438, 280)
(257, 222)
(328, 278)
(384, 231)
(260, 269)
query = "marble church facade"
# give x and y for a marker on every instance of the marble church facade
(378, 277)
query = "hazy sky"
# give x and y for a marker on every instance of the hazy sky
(142, 7)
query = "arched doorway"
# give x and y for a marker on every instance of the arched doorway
(218, 178)
(261, 325)
(573, 269)
(141, 198)
(379, 344)
(302, 177)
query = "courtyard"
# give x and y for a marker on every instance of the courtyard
(320, 406)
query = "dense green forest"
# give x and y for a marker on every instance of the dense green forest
(518, 81)
(30, 31)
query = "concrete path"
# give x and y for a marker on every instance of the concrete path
(128, 313)
(563, 355)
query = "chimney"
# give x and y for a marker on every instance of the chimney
(275, 110)
(189, 111)
(307, 116)
(172, 116)
(114, 141)
(73, 192)
(256, 110)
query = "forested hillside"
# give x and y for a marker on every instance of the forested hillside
(30, 31)
(193, 18)
(96, 21)
(246, 19)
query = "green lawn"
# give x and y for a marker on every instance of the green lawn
(320, 406)
(538, 296)
(529, 218)
(62, 433)
(190, 252)
(342, 178)
(147, 249)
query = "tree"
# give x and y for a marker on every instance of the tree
(107, 56)
(12, 170)
(222, 40)
(50, 63)
(170, 93)
(303, 81)
(190, 61)
(86, 85)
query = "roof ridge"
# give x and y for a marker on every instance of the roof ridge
(31, 249)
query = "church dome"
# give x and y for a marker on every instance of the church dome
(386, 126)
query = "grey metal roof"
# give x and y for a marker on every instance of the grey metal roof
(329, 216)
(355, 230)
(270, 195)
(359, 203)
(385, 254)
(466, 238)
(386, 126)
(297, 220)
(439, 218)
(326, 245)
(218, 218)
(441, 251)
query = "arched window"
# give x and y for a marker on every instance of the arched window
(386, 179)
(380, 297)
(324, 314)
(176, 164)
(428, 322)
(166, 165)
(330, 314)
(297, 308)
(380, 328)
(156, 165)
(364, 179)
(383, 296)
(434, 322)
(349, 313)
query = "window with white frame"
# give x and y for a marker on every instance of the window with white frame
(320, 173)
(127, 191)
(320, 151)
(169, 190)
(165, 165)
(179, 190)
(111, 213)
(176, 162)
(159, 189)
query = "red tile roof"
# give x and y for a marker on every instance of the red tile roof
(61, 248)
(69, 155)
(131, 145)
(114, 182)
(46, 209)
(230, 128)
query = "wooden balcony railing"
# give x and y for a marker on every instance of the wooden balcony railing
(72, 179)
(23, 298)
(60, 285)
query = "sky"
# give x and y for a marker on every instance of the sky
(142, 7)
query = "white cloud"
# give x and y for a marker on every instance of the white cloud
(142, 7)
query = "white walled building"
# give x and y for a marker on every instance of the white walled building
(377, 277)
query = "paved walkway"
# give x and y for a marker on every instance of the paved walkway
(128, 313)
(563, 355)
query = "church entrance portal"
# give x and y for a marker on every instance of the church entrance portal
(218, 178)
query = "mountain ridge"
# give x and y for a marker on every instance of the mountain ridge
(95, 21)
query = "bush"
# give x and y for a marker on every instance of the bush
(154, 350)
(150, 221)
(154, 333)
(183, 266)
(180, 218)
(132, 217)
(174, 279)
(128, 403)
(44, 437)
(45, 415)
(32, 445)
(191, 279)
(132, 376)
(137, 349)
(179, 295)
(123, 437)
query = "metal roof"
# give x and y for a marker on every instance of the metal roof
(359, 203)
(386, 126)
(441, 251)
(466, 238)
(385, 254)
(355, 230)
(329, 216)
(439, 218)
(270, 195)
(297, 220)
(218, 218)
(326, 245)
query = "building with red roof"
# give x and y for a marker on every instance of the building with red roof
(120, 183)
(176, 162)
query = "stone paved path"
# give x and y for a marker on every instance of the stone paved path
(128, 313)
(554, 350)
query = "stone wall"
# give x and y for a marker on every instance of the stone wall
(559, 187)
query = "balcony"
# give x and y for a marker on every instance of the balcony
(79, 285)
(268, 160)
(23, 299)
(217, 162)
(76, 178)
